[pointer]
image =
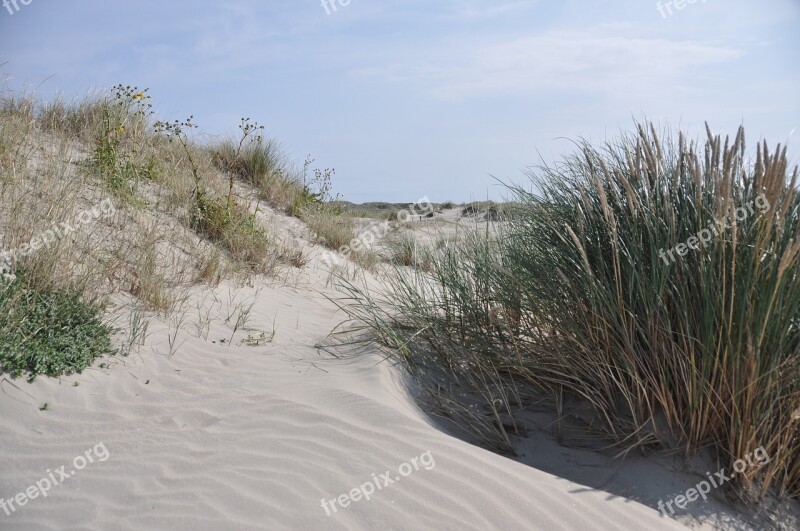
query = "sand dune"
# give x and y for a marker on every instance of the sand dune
(220, 436)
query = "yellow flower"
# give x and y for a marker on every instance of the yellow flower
(121, 129)
(138, 96)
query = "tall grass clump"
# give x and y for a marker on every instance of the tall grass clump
(701, 344)
(445, 324)
(261, 163)
(402, 249)
(76, 119)
(658, 280)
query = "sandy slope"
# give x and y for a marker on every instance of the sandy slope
(254, 437)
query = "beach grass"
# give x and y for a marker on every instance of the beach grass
(575, 294)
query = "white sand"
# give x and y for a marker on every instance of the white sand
(254, 437)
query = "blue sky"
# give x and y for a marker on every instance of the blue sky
(429, 98)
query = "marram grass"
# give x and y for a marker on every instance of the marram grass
(576, 294)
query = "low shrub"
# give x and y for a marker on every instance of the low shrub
(51, 332)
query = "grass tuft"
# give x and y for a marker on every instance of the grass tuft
(226, 222)
(575, 294)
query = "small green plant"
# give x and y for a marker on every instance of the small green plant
(226, 222)
(107, 154)
(222, 220)
(123, 113)
(321, 211)
(212, 217)
(176, 130)
(315, 195)
(251, 131)
(257, 340)
(43, 407)
(48, 332)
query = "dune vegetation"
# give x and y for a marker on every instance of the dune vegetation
(653, 279)
(163, 209)
(575, 297)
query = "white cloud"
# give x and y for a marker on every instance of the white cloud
(552, 61)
